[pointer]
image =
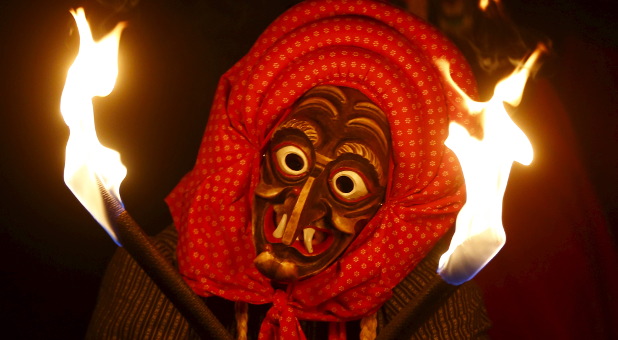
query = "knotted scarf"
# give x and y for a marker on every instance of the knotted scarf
(389, 56)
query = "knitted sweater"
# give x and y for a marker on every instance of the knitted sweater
(130, 306)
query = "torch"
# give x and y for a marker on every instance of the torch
(486, 164)
(94, 173)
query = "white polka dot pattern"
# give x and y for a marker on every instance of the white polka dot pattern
(389, 56)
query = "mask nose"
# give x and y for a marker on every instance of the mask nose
(306, 210)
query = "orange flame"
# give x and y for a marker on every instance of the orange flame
(484, 3)
(89, 163)
(486, 163)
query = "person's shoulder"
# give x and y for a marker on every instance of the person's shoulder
(166, 241)
(130, 305)
(460, 315)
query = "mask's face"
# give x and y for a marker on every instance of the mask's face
(323, 178)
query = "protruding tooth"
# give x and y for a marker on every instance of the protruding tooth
(278, 233)
(308, 237)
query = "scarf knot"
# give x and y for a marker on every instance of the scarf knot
(281, 321)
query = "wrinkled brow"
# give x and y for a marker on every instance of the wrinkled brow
(334, 93)
(375, 123)
(323, 97)
(323, 104)
(365, 152)
(305, 127)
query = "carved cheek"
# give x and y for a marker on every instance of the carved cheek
(269, 187)
(341, 223)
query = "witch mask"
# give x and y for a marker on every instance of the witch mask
(294, 165)
(323, 177)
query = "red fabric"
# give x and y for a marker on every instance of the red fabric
(386, 54)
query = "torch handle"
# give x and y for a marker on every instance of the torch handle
(420, 308)
(167, 278)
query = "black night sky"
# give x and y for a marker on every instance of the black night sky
(172, 54)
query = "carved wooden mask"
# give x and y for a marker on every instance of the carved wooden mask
(323, 178)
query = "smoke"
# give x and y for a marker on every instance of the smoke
(119, 6)
(490, 40)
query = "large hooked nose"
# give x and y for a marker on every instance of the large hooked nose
(307, 209)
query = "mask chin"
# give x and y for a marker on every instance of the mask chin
(287, 263)
(275, 268)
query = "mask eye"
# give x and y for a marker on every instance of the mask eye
(291, 161)
(349, 185)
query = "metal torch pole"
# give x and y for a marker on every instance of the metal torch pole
(413, 315)
(161, 271)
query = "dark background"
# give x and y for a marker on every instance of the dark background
(171, 56)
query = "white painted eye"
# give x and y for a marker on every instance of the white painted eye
(349, 185)
(291, 160)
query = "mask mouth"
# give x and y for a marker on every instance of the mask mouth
(313, 240)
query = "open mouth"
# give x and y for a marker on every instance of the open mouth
(312, 241)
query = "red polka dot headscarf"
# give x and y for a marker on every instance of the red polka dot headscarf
(389, 56)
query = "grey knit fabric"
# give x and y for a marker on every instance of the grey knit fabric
(130, 306)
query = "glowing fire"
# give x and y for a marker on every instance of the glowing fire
(486, 164)
(89, 163)
(484, 3)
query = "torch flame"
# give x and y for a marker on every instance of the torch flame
(89, 164)
(484, 3)
(486, 164)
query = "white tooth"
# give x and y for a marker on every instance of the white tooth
(308, 237)
(278, 233)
